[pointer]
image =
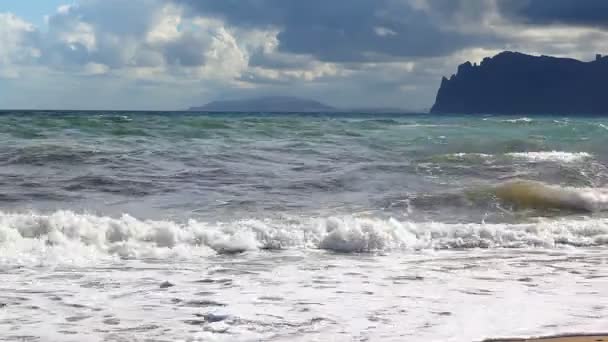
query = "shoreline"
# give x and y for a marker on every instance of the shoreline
(557, 338)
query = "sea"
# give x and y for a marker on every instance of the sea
(161, 226)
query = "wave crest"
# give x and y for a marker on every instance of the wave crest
(66, 236)
(538, 195)
(551, 156)
(519, 120)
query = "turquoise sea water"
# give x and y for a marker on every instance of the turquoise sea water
(226, 166)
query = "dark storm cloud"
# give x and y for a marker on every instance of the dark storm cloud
(448, 9)
(344, 31)
(569, 12)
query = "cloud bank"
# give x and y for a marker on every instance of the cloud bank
(170, 54)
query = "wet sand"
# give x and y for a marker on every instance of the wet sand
(570, 338)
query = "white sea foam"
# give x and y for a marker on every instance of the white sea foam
(417, 125)
(551, 156)
(539, 156)
(520, 120)
(464, 155)
(66, 236)
(481, 155)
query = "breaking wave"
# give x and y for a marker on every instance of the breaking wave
(552, 156)
(538, 195)
(519, 120)
(534, 157)
(465, 156)
(69, 237)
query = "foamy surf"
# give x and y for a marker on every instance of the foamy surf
(519, 120)
(551, 156)
(533, 157)
(66, 236)
(465, 155)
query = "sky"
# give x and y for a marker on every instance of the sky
(173, 54)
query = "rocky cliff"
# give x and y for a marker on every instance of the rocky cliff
(516, 83)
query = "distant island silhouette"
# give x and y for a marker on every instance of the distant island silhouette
(269, 104)
(516, 83)
(286, 104)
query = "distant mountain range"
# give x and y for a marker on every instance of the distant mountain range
(283, 104)
(516, 83)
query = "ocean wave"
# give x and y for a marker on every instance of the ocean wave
(112, 185)
(69, 237)
(41, 155)
(551, 156)
(464, 155)
(539, 156)
(419, 125)
(517, 194)
(538, 195)
(520, 120)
